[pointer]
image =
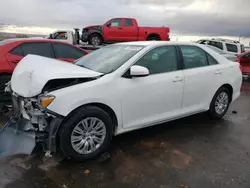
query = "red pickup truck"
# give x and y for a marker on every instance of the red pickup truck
(122, 30)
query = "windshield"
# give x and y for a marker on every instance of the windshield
(109, 58)
(216, 49)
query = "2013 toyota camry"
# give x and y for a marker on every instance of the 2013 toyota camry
(77, 108)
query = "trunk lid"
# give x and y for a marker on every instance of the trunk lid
(33, 72)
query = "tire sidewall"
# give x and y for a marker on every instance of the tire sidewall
(153, 38)
(212, 110)
(95, 35)
(67, 128)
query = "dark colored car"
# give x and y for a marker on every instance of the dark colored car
(13, 50)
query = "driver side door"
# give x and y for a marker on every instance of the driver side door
(113, 30)
(157, 97)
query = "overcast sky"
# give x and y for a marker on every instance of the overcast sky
(188, 17)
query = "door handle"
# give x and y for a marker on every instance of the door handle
(177, 79)
(217, 72)
(119, 27)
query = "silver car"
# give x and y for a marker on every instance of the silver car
(231, 57)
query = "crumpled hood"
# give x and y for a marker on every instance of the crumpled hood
(33, 72)
(93, 26)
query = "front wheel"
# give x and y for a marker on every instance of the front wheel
(220, 103)
(95, 39)
(86, 134)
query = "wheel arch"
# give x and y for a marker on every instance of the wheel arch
(229, 87)
(100, 105)
(153, 35)
(96, 33)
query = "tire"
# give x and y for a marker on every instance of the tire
(215, 111)
(67, 132)
(3, 95)
(154, 38)
(95, 39)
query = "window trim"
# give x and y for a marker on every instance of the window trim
(126, 73)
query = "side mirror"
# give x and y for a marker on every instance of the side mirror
(138, 71)
(108, 25)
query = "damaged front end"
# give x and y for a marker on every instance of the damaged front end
(30, 123)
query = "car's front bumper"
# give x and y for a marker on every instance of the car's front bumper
(85, 36)
(17, 137)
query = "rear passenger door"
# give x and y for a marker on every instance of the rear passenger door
(130, 30)
(202, 78)
(67, 53)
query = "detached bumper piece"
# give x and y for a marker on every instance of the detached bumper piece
(14, 139)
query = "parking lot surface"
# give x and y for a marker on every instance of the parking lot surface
(193, 152)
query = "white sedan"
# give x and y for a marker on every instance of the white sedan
(120, 88)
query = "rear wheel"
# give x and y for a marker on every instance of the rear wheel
(86, 134)
(220, 103)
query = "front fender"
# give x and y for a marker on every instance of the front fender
(65, 107)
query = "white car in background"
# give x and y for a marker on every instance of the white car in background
(229, 56)
(229, 46)
(116, 89)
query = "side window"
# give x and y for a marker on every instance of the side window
(39, 48)
(231, 48)
(60, 35)
(211, 60)
(17, 51)
(67, 51)
(160, 60)
(193, 57)
(128, 22)
(216, 44)
(116, 22)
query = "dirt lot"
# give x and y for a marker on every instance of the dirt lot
(193, 152)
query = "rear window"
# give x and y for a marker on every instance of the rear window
(128, 22)
(216, 44)
(231, 48)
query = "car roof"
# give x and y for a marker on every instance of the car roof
(32, 39)
(157, 43)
